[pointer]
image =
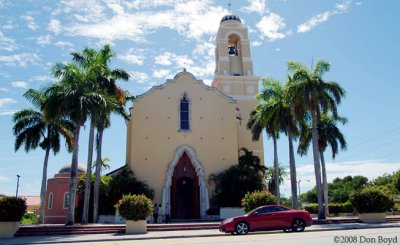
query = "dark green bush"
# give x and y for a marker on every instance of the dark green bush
(371, 199)
(335, 208)
(312, 208)
(232, 185)
(12, 208)
(29, 219)
(256, 199)
(134, 207)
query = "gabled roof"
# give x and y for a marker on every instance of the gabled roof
(184, 72)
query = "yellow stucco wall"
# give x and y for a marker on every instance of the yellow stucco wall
(153, 130)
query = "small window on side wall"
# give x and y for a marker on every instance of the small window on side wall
(66, 200)
(184, 113)
(50, 201)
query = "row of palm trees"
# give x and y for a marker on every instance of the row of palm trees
(305, 108)
(86, 89)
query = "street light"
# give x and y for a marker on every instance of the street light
(298, 184)
(18, 176)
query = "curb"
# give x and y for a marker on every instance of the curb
(121, 237)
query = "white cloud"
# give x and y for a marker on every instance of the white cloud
(162, 73)
(54, 26)
(370, 169)
(9, 25)
(192, 19)
(340, 8)
(30, 22)
(22, 59)
(40, 78)
(139, 77)
(4, 179)
(277, 49)
(19, 84)
(43, 40)
(257, 6)
(167, 58)
(4, 89)
(271, 26)
(133, 56)
(256, 43)
(314, 21)
(63, 44)
(7, 43)
(6, 102)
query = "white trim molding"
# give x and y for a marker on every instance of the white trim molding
(204, 200)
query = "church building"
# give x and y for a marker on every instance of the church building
(181, 132)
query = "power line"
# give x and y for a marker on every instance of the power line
(375, 137)
(372, 149)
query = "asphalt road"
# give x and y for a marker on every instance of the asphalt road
(386, 236)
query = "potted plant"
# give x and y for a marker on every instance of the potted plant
(11, 211)
(371, 203)
(135, 209)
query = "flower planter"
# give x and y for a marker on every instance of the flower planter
(372, 217)
(136, 227)
(8, 229)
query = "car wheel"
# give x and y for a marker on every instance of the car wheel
(242, 228)
(298, 225)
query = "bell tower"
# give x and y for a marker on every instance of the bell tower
(234, 76)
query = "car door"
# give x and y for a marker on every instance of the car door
(263, 219)
(281, 217)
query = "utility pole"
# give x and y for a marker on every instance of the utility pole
(18, 176)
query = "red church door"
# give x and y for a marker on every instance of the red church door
(185, 190)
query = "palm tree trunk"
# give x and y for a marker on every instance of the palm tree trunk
(73, 178)
(43, 189)
(86, 200)
(292, 163)
(324, 182)
(317, 166)
(276, 172)
(97, 173)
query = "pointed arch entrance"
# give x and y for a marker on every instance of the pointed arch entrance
(185, 190)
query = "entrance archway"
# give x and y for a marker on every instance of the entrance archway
(185, 160)
(184, 190)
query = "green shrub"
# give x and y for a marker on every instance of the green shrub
(256, 199)
(371, 199)
(134, 207)
(12, 208)
(396, 207)
(29, 219)
(335, 208)
(312, 208)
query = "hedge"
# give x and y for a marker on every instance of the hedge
(12, 208)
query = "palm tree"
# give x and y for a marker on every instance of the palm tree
(310, 94)
(101, 124)
(103, 80)
(271, 180)
(250, 160)
(329, 135)
(32, 129)
(270, 115)
(72, 97)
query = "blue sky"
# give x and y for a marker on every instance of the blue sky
(155, 39)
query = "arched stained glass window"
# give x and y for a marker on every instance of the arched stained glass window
(184, 113)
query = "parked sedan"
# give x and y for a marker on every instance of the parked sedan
(270, 217)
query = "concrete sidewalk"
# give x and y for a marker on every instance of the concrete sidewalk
(173, 234)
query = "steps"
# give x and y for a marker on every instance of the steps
(54, 230)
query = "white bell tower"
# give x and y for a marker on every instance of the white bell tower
(234, 75)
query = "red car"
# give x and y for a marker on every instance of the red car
(270, 217)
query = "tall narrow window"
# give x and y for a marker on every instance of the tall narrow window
(184, 116)
(66, 200)
(50, 204)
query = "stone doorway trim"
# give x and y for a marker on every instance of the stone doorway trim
(203, 195)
